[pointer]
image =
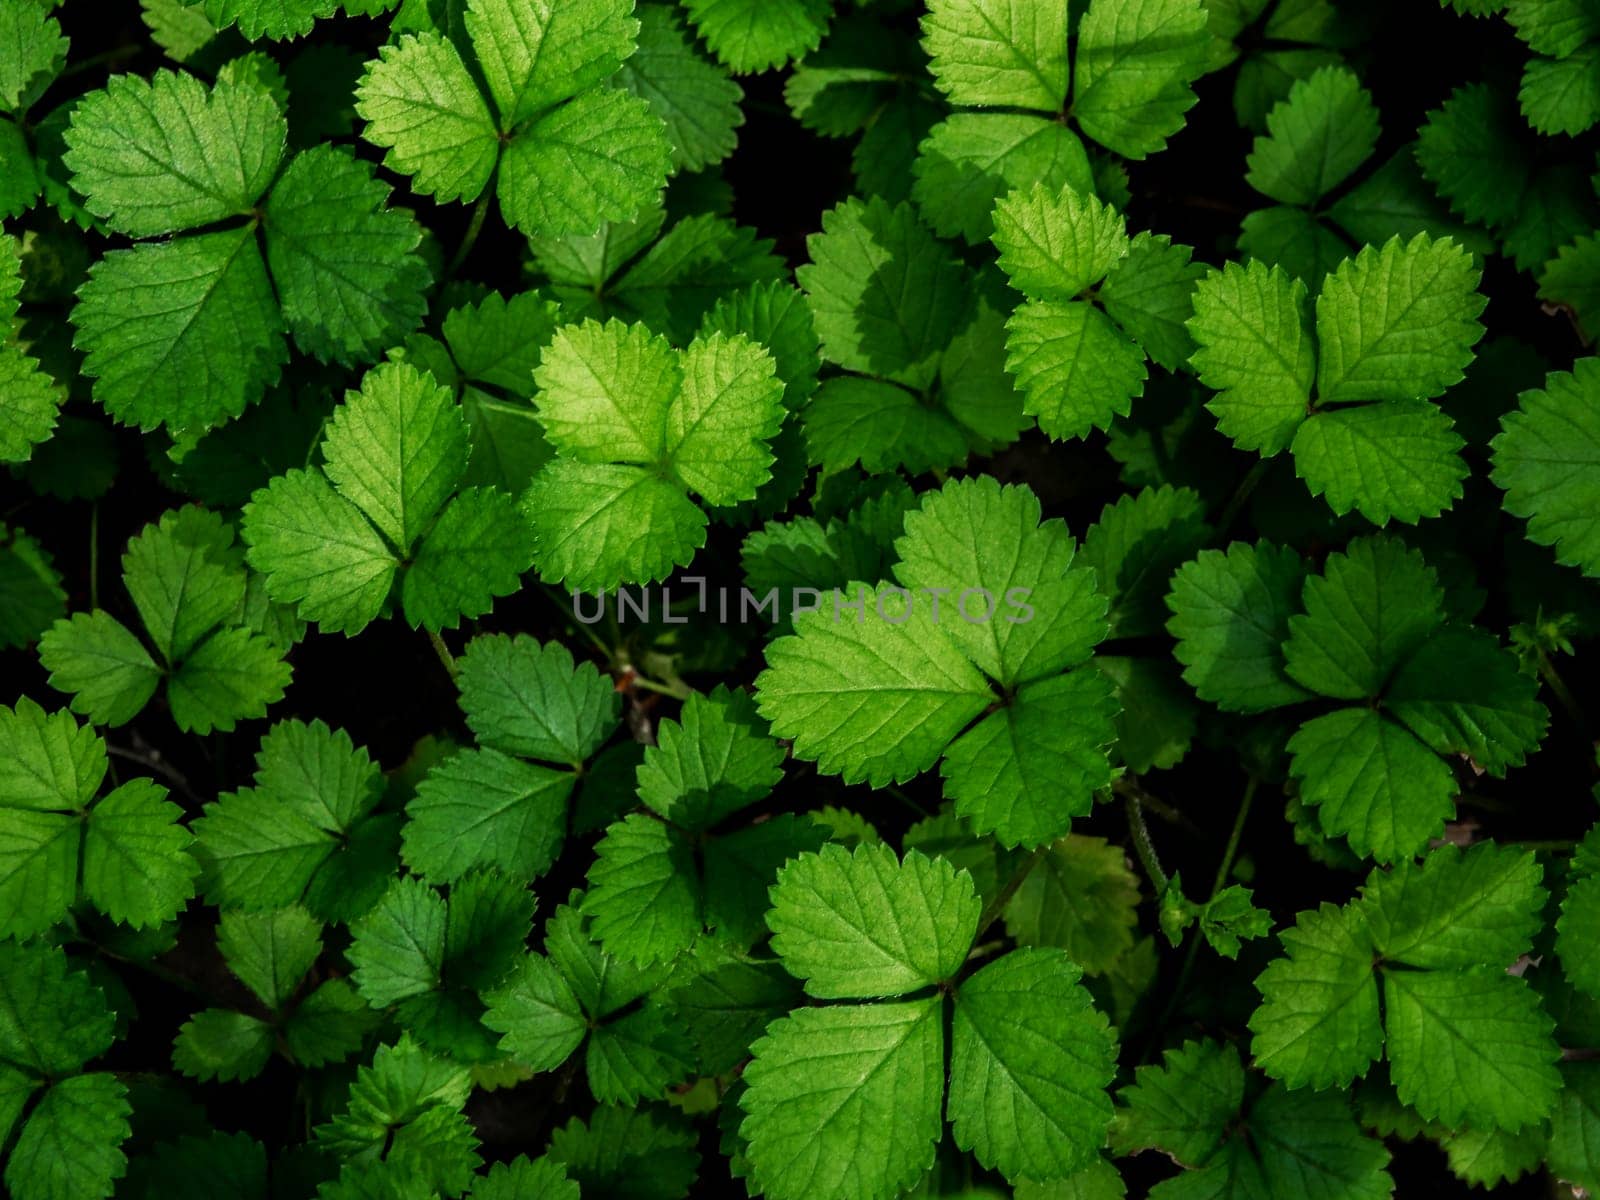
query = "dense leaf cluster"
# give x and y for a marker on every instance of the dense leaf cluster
(828, 599)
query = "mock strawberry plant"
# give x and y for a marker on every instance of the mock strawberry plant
(816, 599)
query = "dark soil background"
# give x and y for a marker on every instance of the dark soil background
(388, 689)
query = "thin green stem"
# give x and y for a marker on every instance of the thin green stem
(1558, 686)
(107, 59)
(1229, 853)
(443, 651)
(1241, 494)
(480, 213)
(679, 690)
(993, 910)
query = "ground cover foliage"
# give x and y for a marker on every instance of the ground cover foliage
(1188, 792)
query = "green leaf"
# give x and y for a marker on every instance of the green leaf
(644, 896)
(1459, 909)
(869, 698)
(423, 108)
(1135, 548)
(971, 159)
(1547, 460)
(181, 586)
(1183, 1106)
(477, 549)
(1562, 95)
(1080, 898)
(71, 1145)
(271, 951)
(697, 100)
(987, 53)
(317, 552)
(1076, 369)
(94, 657)
(1150, 295)
(885, 295)
(33, 400)
(1461, 693)
(217, 1044)
(232, 675)
(1397, 323)
(34, 52)
(529, 699)
(974, 535)
(344, 263)
(52, 1019)
(1318, 1021)
(1571, 1153)
(628, 1152)
(1469, 148)
(1400, 460)
(1231, 615)
(714, 760)
(845, 1101)
(1054, 246)
(1254, 348)
(1316, 138)
(603, 156)
(535, 1011)
(1030, 1063)
(1472, 1047)
(47, 760)
(1369, 610)
(598, 525)
(1373, 782)
(532, 59)
(862, 923)
(605, 392)
(153, 323)
(137, 868)
(169, 154)
(398, 949)
(1135, 67)
(756, 35)
(276, 19)
(396, 449)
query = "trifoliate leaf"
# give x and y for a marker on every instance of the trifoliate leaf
(1316, 138)
(987, 53)
(169, 154)
(628, 1152)
(343, 262)
(827, 1084)
(1149, 294)
(1255, 349)
(1547, 459)
(862, 923)
(1135, 67)
(540, 1019)
(52, 1019)
(1369, 610)
(756, 35)
(152, 321)
(1397, 323)
(1231, 616)
(698, 102)
(1030, 1062)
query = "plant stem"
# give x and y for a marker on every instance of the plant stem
(1558, 686)
(1236, 502)
(1232, 849)
(443, 651)
(679, 690)
(995, 907)
(109, 58)
(480, 212)
(1229, 853)
(1142, 844)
